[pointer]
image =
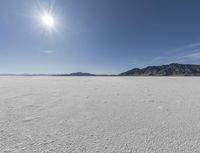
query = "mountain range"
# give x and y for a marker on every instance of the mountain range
(173, 69)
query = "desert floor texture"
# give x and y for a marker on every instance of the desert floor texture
(99, 114)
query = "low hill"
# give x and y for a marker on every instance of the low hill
(81, 74)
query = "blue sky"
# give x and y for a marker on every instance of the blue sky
(97, 36)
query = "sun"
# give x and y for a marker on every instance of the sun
(48, 21)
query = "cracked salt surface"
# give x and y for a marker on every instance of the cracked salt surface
(99, 114)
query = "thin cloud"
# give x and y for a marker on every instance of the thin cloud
(177, 61)
(48, 51)
(159, 58)
(186, 48)
(188, 57)
(187, 53)
(192, 55)
(194, 45)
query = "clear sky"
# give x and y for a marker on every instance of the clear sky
(97, 36)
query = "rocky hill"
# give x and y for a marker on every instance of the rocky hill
(173, 69)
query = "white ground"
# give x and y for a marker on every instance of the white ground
(99, 114)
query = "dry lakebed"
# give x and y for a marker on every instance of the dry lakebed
(99, 114)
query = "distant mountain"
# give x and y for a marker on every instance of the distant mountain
(81, 74)
(173, 69)
(71, 74)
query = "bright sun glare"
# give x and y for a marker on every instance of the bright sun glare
(48, 21)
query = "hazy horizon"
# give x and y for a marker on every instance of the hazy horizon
(99, 37)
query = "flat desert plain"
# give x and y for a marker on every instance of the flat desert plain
(99, 114)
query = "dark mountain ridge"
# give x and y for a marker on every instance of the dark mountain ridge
(173, 69)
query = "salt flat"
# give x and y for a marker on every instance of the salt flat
(99, 114)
